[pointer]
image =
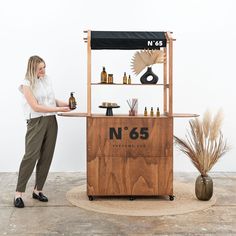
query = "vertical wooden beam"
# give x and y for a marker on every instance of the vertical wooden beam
(165, 83)
(89, 73)
(170, 73)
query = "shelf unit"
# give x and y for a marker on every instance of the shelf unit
(167, 72)
(130, 155)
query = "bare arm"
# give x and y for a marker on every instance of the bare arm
(40, 108)
(61, 103)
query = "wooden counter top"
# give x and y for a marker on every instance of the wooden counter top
(72, 114)
(80, 114)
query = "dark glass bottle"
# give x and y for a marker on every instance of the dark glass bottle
(72, 101)
(110, 79)
(125, 78)
(151, 112)
(145, 111)
(129, 80)
(103, 75)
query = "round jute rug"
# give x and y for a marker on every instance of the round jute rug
(185, 202)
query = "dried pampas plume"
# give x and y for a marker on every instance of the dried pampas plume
(216, 125)
(204, 143)
(146, 58)
(206, 123)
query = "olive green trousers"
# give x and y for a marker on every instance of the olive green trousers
(40, 143)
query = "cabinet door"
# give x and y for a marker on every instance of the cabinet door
(129, 156)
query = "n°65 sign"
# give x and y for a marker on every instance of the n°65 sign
(134, 133)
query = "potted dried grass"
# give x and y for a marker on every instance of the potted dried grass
(204, 145)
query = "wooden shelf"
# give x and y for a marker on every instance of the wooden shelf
(113, 84)
(80, 114)
(184, 115)
(127, 116)
(73, 114)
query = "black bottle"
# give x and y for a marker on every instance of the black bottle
(72, 102)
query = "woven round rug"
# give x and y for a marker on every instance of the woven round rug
(184, 202)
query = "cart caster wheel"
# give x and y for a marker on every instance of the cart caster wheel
(171, 197)
(90, 198)
(131, 198)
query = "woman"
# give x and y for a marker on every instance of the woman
(40, 107)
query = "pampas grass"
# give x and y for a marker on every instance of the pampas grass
(204, 143)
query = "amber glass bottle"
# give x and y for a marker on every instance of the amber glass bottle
(158, 111)
(145, 111)
(151, 112)
(103, 75)
(125, 78)
(72, 101)
(110, 79)
(129, 80)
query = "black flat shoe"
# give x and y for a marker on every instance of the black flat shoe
(18, 202)
(40, 197)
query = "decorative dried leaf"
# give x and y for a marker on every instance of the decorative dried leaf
(146, 58)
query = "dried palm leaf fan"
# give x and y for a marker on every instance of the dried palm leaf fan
(145, 58)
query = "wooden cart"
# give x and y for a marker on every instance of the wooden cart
(131, 155)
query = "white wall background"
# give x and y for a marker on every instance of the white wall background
(204, 65)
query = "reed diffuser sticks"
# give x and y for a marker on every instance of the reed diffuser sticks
(133, 105)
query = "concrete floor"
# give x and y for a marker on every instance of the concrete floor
(59, 217)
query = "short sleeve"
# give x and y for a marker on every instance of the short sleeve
(48, 80)
(24, 82)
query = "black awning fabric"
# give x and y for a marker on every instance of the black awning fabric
(127, 40)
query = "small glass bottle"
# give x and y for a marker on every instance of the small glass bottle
(110, 79)
(151, 112)
(158, 111)
(125, 78)
(145, 111)
(103, 75)
(129, 80)
(72, 102)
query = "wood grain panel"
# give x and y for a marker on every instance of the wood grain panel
(129, 166)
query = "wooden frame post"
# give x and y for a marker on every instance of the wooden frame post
(170, 72)
(89, 73)
(170, 77)
(165, 83)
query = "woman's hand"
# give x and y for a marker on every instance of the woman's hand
(63, 109)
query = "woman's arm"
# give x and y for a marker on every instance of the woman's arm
(40, 108)
(61, 103)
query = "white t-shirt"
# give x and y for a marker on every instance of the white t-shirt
(44, 95)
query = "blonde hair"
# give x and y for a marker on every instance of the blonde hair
(31, 73)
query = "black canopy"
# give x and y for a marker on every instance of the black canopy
(127, 40)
